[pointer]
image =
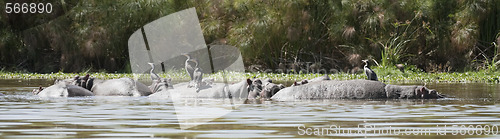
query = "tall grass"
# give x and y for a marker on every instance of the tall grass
(492, 65)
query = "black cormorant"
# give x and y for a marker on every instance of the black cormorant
(369, 72)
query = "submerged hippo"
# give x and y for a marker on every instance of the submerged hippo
(354, 89)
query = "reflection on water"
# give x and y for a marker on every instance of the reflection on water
(473, 112)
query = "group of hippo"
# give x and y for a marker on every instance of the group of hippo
(325, 88)
(90, 86)
(319, 88)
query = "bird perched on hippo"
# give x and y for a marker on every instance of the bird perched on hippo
(354, 89)
(369, 72)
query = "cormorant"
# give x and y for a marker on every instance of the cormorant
(369, 72)
(154, 76)
(188, 66)
(197, 74)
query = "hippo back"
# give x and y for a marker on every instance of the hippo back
(331, 89)
(116, 87)
(411, 92)
(74, 91)
(399, 91)
(56, 90)
(61, 89)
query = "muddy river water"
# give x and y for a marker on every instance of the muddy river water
(473, 111)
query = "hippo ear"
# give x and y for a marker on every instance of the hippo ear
(249, 82)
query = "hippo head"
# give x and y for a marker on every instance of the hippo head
(425, 93)
(85, 81)
(160, 85)
(255, 84)
(77, 80)
(254, 87)
(269, 89)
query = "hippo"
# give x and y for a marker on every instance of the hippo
(62, 89)
(121, 87)
(125, 87)
(113, 87)
(254, 88)
(160, 85)
(354, 89)
(269, 89)
(262, 88)
(239, 90)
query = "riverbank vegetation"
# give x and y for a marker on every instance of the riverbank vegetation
(431, 36)
(385, 75)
